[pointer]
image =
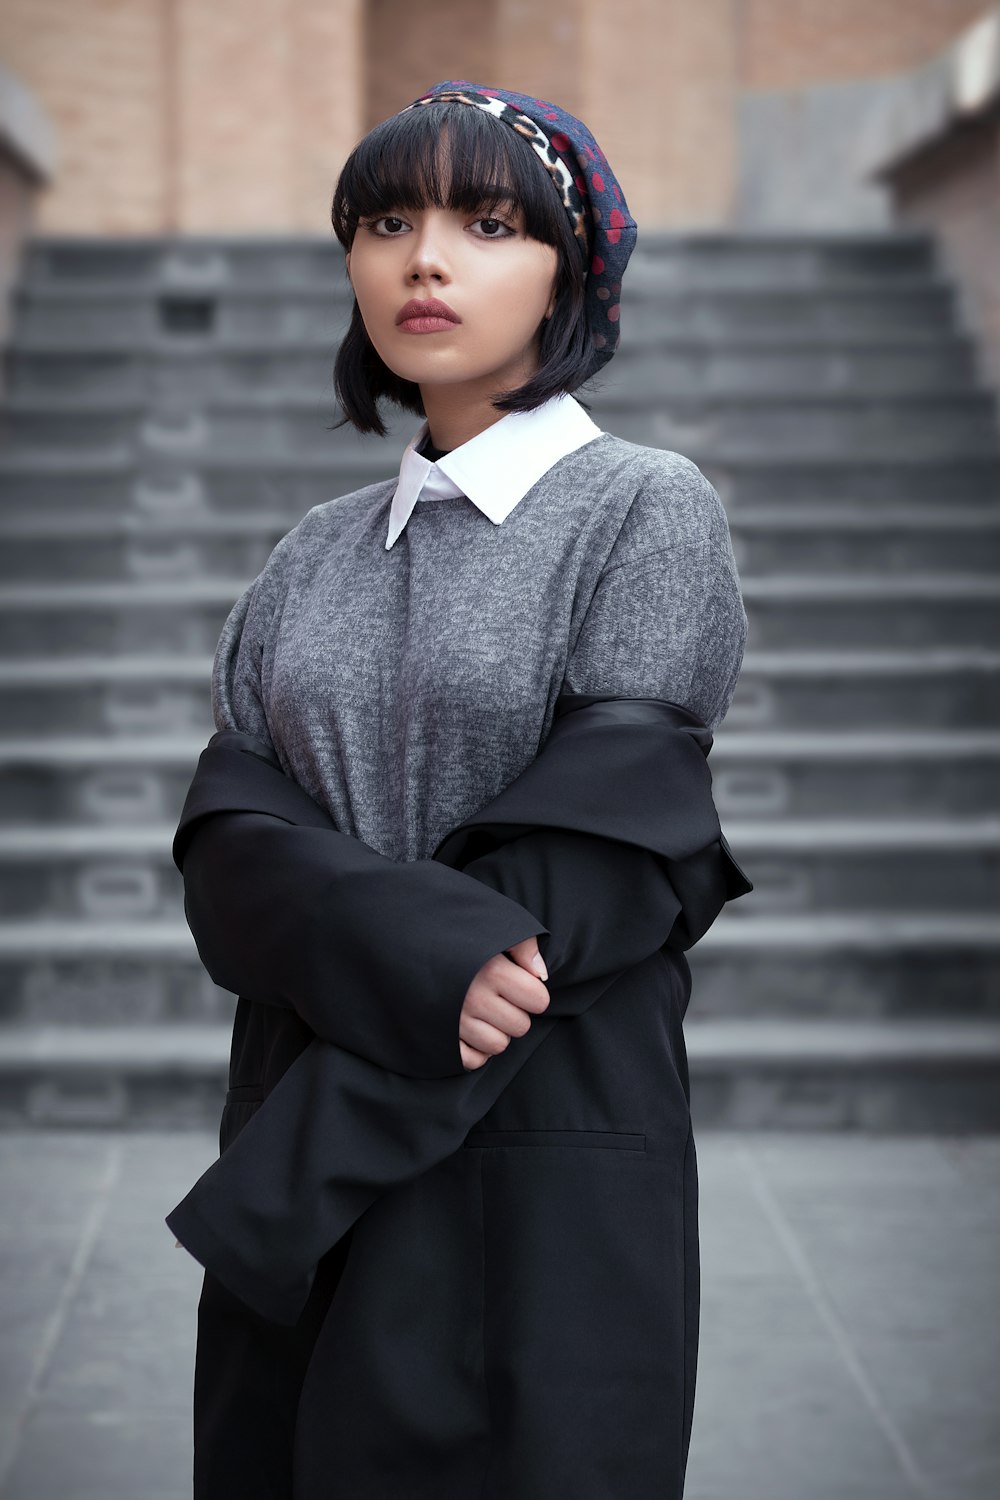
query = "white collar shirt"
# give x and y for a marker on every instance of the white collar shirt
(496, 468)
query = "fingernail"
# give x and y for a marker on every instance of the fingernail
(538, 964)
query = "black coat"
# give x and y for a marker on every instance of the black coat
(483, 1285)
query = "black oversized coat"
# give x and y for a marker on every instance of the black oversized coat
(422, 1281)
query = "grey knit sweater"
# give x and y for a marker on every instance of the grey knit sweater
(404, 688)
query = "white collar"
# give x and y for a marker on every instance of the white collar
(496, 468)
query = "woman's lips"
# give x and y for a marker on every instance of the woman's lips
(426, 315)
(427, 325)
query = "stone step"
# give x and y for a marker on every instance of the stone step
(877, 1075)
(122, 870)
(762, 773)
(856, 963)
(944, 362)
(802, 425)
(48, 546)
(769, 257)
(917, 689)
(178, 480)
(861, 539)
(822, 609)
(794, 937)
(106, 314)
(653, 280)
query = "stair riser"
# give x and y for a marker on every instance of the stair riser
(800, 623)
(958, 699)
(638, 368)
(38, 990)
(140, 792)
(791, 1096)
(878, 553)
(110, 990)
(173, 484)
(703, 261)
(777, 786)
(732, 1096)
(847, 479)
(966, 427)
(769, 786)
(140, 556)
(185, 554)
(842, 982)
(123, 887)
(172, 481)
(157, 705)
(857, 623)
(107, 318)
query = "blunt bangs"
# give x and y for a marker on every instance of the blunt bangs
(455, 157)
(411, 161)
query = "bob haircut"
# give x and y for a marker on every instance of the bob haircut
(399, 165)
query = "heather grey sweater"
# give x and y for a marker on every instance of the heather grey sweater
(404, 688)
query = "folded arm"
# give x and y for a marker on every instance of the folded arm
(621, 855)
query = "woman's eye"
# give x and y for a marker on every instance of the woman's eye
(502, 224)
(385, 219)
(394, 219)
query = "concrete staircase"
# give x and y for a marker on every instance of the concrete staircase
(166, 422)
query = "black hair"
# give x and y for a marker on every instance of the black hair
(397, 165)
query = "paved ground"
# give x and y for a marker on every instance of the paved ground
(850, 1346)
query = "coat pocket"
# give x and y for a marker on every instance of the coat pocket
(616, 1140)
(246, 1093)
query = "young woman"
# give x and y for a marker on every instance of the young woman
(520, 1321)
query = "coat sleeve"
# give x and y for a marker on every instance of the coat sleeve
(282, 913)
(336, 1132)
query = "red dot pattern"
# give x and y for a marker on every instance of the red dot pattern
(612, 230)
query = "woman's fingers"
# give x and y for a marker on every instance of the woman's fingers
(527, 954)
(499, 1005)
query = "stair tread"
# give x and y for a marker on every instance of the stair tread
(874, 931)
(63, 526)
(165, 346)
(858, 1040)
(121, 458)
(71, 670)
(34, 841)
(319, 402)
(810, 586)
(833, 745)
(650, 282)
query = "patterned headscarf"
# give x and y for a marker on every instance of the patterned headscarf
(603, 228)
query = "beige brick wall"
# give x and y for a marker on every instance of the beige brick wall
(191, 115)
(953, 189)
(235, 115)
(789, 43)
(97, 67)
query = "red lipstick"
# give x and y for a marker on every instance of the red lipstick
(426, 315)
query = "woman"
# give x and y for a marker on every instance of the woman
(521, 1320)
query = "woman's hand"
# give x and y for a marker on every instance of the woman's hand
(500, 1002)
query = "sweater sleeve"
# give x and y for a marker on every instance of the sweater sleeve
(667, 618)
(666, 621)
(237, 690)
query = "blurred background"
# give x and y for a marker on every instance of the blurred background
(812, 314)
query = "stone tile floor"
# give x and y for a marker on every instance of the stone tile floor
(850, 1345)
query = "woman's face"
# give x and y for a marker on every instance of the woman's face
(498, 281)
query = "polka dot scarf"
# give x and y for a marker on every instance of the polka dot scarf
(602, 226)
